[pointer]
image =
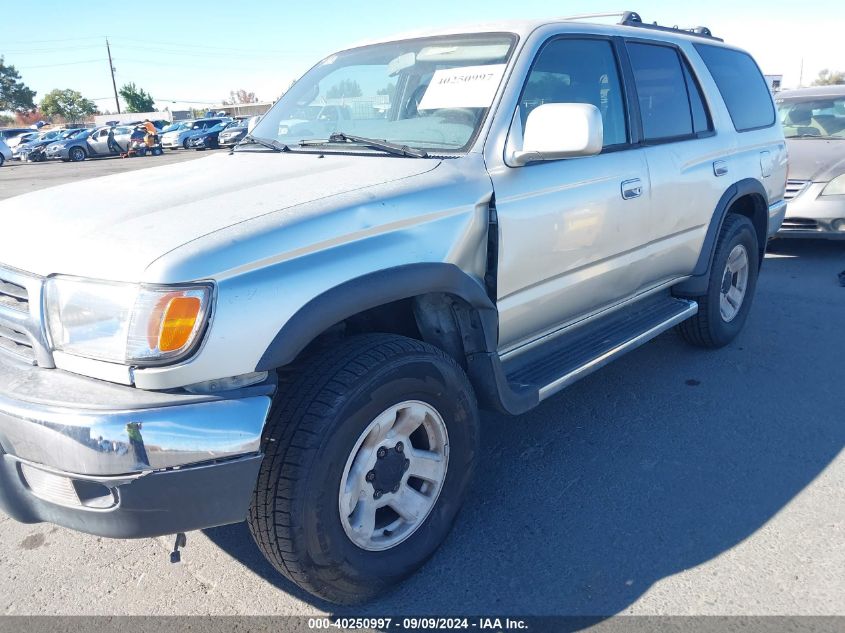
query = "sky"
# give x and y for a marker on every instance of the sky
(196, 54)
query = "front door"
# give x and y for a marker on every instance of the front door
(571, 231)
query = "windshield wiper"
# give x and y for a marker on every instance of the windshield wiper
(273, 144)
(385, 146)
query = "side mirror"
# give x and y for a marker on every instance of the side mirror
(560, 130)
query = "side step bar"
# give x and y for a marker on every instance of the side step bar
(571, 356)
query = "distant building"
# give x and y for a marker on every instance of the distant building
(131, 117)
(774, 82)
(243, 109)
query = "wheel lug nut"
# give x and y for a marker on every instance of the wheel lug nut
(400, 447)
(377, 494)
(381, 452)
(371, 475)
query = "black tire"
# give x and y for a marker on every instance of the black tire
(318, 416)
(185, 144)
(76, 154)
(708, 328)
(2, 160)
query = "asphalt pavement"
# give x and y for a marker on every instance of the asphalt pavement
(674, 481)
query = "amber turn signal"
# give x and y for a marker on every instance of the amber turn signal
(178, 323)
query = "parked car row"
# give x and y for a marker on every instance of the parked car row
(204, 133)
(77, 144)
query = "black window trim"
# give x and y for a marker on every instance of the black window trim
(684, 60)
(759, 70)
(616, 50)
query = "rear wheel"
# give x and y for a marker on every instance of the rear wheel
(723, 309)
(76, 154)
(2, 160)
(369, 451)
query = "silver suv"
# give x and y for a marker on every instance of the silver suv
(301, 332)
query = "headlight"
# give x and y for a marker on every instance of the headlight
(125, 323)
(835, 187)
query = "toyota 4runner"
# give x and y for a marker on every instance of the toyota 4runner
(301, 332)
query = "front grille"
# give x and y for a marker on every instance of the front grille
(14, 296)
(21, 333)
(799, 224)
(795, 188)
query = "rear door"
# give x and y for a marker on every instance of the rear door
(571, 231)
(685, 157)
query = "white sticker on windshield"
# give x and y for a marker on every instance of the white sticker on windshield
(465, 87)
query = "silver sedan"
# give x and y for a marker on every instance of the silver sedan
(814, 126)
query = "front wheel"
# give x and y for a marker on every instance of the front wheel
(723, 309)
(369, 452)
(77, 154)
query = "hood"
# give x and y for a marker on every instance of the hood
(818, 160)
(114, 227)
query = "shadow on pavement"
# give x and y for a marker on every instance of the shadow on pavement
(656, 464)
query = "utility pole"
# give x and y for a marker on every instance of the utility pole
(113, 84)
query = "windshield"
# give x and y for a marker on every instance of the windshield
(173, 127)
(813, 117)
(431, 93)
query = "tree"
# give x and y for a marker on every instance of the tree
(137, 100)
(346, 88)
(828, 78)
(390, 90)
(6, 120)
(14, 95)
(68, 104)
(29, 117)
(240, 96)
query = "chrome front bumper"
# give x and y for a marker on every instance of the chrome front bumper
(88, 427)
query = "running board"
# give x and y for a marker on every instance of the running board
(571, 356)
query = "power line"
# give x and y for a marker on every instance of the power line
(86, 61)
(44, 51)
(65, 39)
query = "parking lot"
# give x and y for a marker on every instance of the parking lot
(674, 481)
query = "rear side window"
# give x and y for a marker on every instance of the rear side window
(670, 101)
(742, 86)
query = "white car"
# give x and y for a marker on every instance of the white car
(5, 152)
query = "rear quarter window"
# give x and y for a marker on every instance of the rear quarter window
(741, 85)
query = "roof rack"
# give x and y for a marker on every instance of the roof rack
(632, 18)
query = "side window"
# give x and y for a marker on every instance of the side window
(578, 71)
(742, 86)
(663, 85)
(700, 115)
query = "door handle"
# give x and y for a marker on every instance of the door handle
(632, 189)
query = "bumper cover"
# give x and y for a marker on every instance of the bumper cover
(812, 215)
(141, 506)
(90, 427)
(122, 462)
